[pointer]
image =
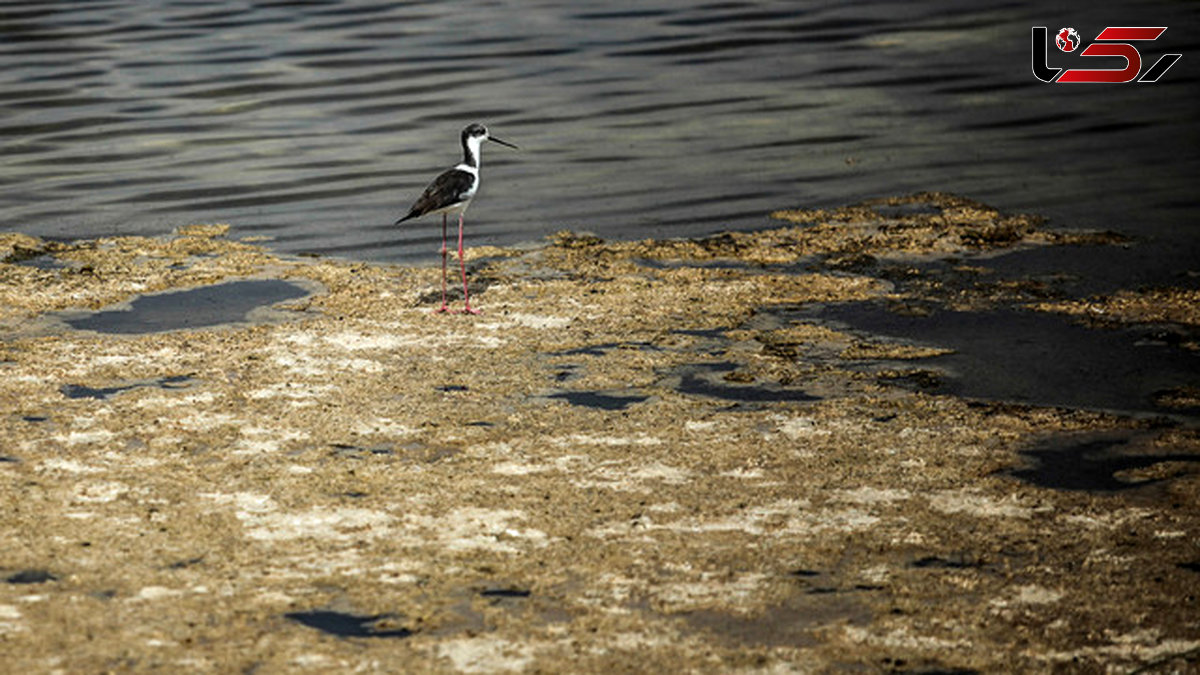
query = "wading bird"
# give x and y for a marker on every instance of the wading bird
(451, 193)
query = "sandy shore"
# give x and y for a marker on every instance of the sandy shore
(627, 463)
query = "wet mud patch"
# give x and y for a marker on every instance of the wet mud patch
(226, 303)
(796, 622)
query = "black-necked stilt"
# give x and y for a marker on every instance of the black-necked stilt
(451, 192)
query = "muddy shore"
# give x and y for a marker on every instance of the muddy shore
(643, 457)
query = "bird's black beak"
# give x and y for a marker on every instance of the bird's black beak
(493, 138)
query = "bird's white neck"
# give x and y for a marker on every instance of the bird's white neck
(472, 153)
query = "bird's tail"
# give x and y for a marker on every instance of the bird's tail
(410, 215)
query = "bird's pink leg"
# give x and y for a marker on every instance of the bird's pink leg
(462, 262)
(444, 307)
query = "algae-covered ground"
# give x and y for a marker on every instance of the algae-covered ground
(636, 459)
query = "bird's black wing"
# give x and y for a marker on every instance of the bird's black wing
(448, 189)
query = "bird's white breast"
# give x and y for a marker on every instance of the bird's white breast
(466, 196)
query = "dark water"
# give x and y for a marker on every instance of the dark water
(1096, 462)
(199, 307)
(707, 380)
(342, 624)
(316, 123)
(31, 576)
(100, 393)
(1034, 358)
(598, 400)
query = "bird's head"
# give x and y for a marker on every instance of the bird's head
(476, 134)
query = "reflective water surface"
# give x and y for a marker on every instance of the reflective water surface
(316, 123)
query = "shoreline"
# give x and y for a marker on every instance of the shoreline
(640, 456)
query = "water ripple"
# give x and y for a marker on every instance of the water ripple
(315, 122)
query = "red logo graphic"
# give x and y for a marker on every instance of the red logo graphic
(1112, 41)
(1067, 39)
